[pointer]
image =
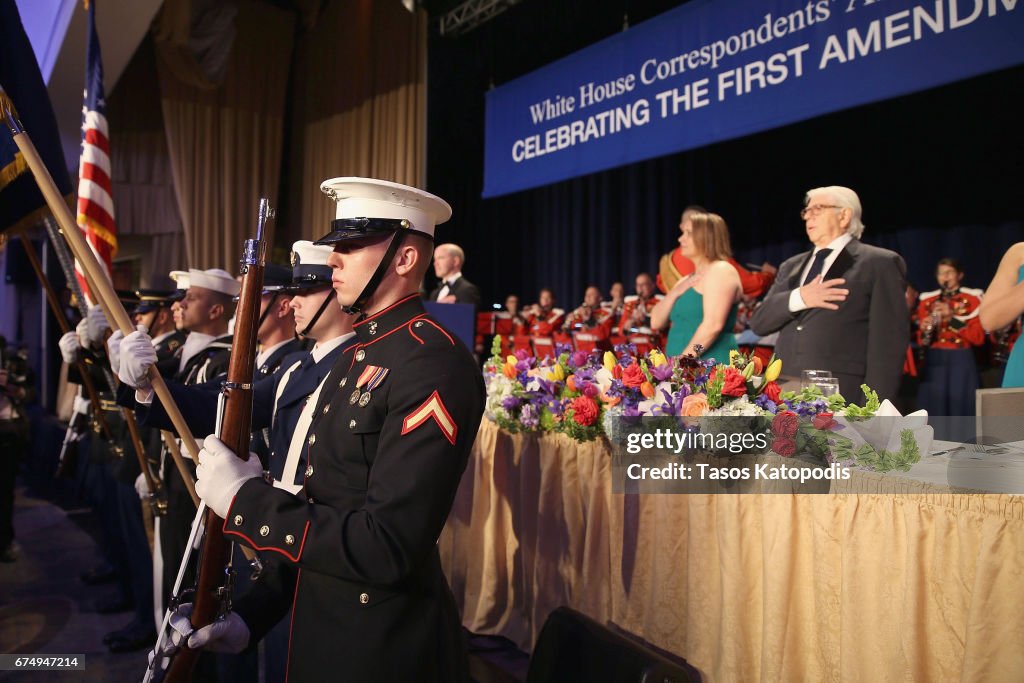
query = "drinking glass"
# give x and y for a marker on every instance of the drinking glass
(809, 378)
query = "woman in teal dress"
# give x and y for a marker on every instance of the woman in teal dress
(1003, 304)
(701, 308)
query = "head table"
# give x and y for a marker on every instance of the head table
(906, 579)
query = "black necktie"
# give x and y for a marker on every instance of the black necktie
(306, 363)
(819, 261)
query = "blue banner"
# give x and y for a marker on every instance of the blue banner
(712, 70)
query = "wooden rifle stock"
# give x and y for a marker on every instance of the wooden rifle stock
(211, 590)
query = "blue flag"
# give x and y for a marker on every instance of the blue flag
(21, 202)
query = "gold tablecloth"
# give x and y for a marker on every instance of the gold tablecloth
(883, 586)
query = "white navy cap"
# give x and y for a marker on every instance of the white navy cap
(367, 206)
(214, 279)
(309, 266)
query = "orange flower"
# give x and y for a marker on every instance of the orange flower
(509, 370)
(694, 405)
(570, 382)
(610, 400)
(647, 389)
(758, 365)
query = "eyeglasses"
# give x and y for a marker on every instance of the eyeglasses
(816, 209)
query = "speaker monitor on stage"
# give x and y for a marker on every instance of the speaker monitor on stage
(574, 647)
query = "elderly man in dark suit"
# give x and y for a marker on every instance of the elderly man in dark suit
(452, 288)
(839, 307)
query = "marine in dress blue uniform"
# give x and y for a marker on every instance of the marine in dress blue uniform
(389, 442)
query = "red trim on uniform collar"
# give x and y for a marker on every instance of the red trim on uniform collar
(379, 313)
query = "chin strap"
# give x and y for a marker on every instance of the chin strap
(319, 312)
(266, 311)
(357, 306)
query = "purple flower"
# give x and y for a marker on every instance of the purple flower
(510, 403)
(766, 403)
(555, 407)
(523, 354)
(585, 375)
(589, 389)
(524, 366)
(661, 373)
(562, 348)
(530, 417)
(578, 359)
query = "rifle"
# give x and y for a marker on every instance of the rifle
(213, 585)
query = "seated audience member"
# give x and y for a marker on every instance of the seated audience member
(513, 326)
(701, 307)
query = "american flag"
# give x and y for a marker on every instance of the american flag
(95, 192)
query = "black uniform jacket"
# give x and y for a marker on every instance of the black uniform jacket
(359, 565)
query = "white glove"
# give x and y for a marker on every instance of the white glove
(228, 634)
(82, 329)
(114, 350)
(221, 473)
(142, 486)
(69, 347)
(80, 405)
(136, 356)
(96, 325)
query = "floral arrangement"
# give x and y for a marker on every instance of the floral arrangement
(586, 394)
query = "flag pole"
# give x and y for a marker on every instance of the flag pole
(99, 285)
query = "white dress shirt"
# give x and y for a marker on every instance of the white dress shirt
(796, 302)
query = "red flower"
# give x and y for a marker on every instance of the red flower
(785, 424)
(584, 410)
(823, 421)
(772, 390)
(735, 384)
(784, 447)
(633, 376)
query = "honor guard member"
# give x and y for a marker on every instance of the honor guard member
(105, 472)
(275, 330)
(948, 329)
(283, 403)
(205, 309)
(635, 324)
(390, 437)
(152, 313)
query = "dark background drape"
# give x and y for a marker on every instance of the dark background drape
(938, 172)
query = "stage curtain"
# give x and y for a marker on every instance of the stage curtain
(148, 222)
(886, 585)
(359, 104)
(224, 134)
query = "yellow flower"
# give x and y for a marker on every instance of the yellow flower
(556, 373)
(657, 358)
(609, 360)
(734, 356)
(773, 371)
(511, 360)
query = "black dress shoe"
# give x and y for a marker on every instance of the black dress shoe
(114, 605)
(132, 642)
(102, 574)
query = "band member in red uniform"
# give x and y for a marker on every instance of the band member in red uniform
(947, 326)
(545, 321)
(635, 324)
(590, 324)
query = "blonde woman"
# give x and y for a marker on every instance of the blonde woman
(701, 307)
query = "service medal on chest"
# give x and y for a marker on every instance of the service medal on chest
(364, 399)
(354, 397)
